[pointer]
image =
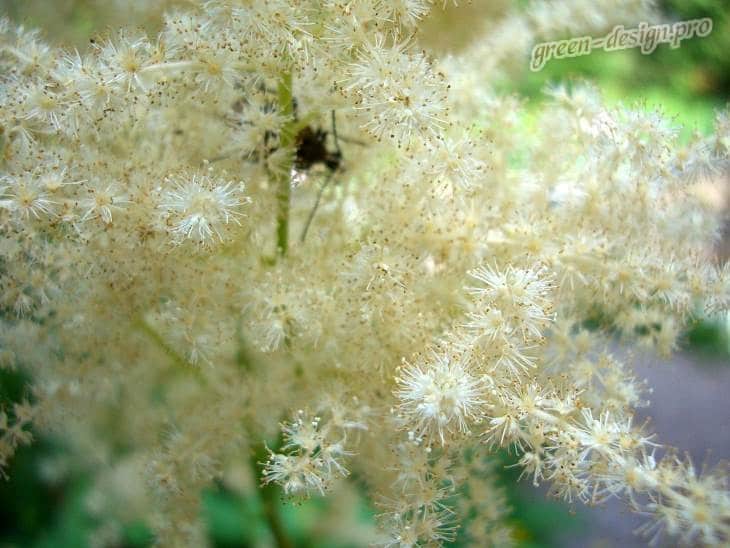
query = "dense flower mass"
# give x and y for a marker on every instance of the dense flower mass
(307, 239)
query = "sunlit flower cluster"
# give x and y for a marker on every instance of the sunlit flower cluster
(306, 240)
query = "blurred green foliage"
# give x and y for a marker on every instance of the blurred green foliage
(688, 83)
(710, 337)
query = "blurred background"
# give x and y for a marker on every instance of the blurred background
(46, 501)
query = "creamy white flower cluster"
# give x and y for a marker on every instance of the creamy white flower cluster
(326, 206)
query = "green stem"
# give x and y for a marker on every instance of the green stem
(180, 362)
(270, 501)
(243, 356)
(283, 172)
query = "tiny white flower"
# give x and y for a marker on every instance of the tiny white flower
(26, 197)
(197, 208)
(124, 60)
(102, 203)
(440, 396)
(297, 474)
(523, 295)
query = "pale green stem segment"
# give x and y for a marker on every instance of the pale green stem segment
(180, 362)
(282, 176)
(270, 498)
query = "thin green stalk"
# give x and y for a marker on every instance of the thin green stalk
(282, 175)
(179, 361)
(270, 494)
